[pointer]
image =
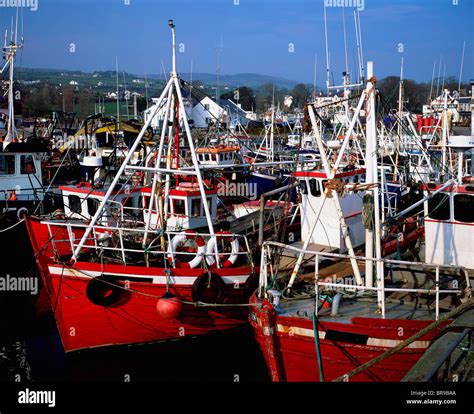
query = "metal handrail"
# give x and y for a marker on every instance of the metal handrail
(121, 230)
(266, 247)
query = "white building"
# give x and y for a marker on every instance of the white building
(202, 112)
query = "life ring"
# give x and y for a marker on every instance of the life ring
(186, 235)
(211, 245)
(208, 281)
(107, 291)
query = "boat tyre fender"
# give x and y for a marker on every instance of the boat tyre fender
(207, 281)
(107, 292)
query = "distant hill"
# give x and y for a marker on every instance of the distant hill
(56, 76)
(251, 80)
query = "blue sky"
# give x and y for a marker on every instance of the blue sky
(256, 35)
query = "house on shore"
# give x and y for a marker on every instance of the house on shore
(203, 112)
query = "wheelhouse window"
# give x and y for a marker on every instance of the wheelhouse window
(438, 207)
(209, 205)
(92, 206)
(27, 164)
(464, 208)
(74, 204)
(179, 207)
(314, 187)
(303, 187)
(7, 164)
(196, 207)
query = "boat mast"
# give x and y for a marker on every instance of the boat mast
(400, 108)
(445, 127)
(432, 83)
(315, 75)
(9, 52)
(272, 127)
(372, 239)
(172, 89)
(327, 49)
(462, 66)
(118, 105)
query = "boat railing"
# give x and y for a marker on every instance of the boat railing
(270, 247)
(26, 194)
(101, 237)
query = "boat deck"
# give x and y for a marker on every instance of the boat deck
(363, 307)
(289, 257)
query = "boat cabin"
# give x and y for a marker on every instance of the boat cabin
(21, 172)
(294, 140)
(185, 209)
(308, 160)
(221, 155)
(449, 225)
(328, 230)
(82, 201)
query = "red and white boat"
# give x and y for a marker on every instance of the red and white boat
(144, 258)
(319, 314)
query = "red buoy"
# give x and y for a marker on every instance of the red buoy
(169, 306)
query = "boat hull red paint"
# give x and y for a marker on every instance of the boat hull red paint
(83, 324)
(294, 351)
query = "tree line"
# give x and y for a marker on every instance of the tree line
(40, 99)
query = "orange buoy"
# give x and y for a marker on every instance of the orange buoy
(169, 306)
(13, 196)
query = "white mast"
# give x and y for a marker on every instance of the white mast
(118, 105)
(327, 49)
(372, 178)
(445, 127)
(439, 75)
(126, 95)
(172, 88)
(9, 52)
(272, 137)
(146, 91)
(345, 37)
(400, 106)
(369, 165)
(462, 66)
(315, 75)
(432, 82)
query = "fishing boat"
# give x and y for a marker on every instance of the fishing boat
(318, 313)
(144, 257)
(29, 173)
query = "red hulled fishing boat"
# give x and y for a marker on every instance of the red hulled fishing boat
(145, 257)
